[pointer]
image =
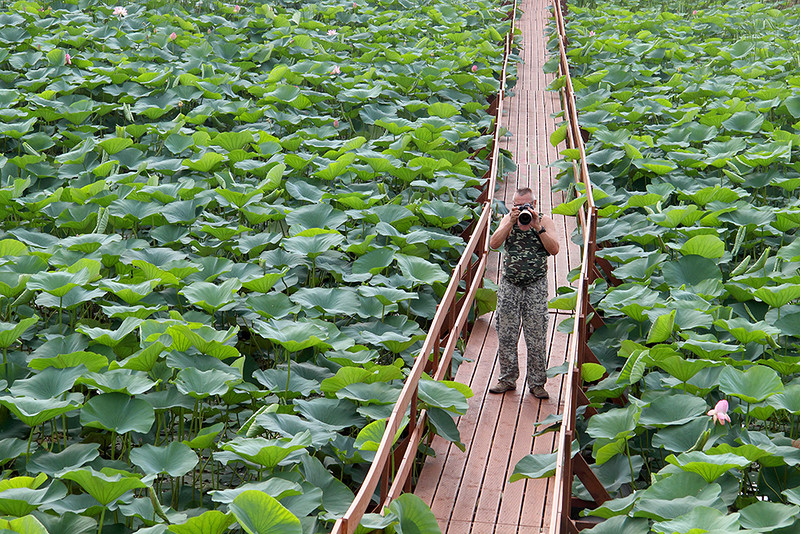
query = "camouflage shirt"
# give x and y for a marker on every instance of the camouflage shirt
(525, 258)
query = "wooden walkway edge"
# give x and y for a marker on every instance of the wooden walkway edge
(469, 491)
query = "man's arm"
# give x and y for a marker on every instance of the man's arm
(549, 237)
(506, 224)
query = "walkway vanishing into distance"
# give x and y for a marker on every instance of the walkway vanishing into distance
(469, 491)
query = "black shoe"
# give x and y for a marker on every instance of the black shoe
(539, 392)
(502, 387)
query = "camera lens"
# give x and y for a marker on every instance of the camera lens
(525, 217)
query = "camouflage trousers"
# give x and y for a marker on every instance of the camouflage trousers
(528, 305)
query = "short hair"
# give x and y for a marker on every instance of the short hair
(522, 191)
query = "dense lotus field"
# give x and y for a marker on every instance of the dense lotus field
(223, 232)
(694, 153)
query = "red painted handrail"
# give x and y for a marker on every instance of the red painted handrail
(562, 480)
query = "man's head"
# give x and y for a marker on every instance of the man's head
(524, 195)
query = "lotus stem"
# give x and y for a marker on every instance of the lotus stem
(30, 439)
(630, 464)
(102, 519)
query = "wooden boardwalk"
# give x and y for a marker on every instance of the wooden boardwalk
(469, 491)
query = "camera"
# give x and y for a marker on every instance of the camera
(525, 216)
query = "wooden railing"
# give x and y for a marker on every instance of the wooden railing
(393, 462)
(568, 462)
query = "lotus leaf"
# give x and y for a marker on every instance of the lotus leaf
(754, 385)
(118, 412)
(106, 485)
(175, 459)
(258, 513)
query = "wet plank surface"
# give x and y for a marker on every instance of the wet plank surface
(469, 491)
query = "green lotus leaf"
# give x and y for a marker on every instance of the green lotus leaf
(125, 381)
(374, 261)
(209, 522)
(106, 485)
(707, 347)
(130, 293)
(413, 515)
(205, 163)
(420, 271)
(328, 301)
(34, 412)
(57, 283)
(207, 340)
(278, 488)
(621, 525)
(777, 296)
(23, 501)
(288, 425)
(142, 360)
(701, 518)
(119, 413)
(534, 466)
(205, 437)
(707, 246)
(267, 453)
(680, 438)
(201, 384)
(658, 166)
(767, 516)
(669, 410)
(615, 423)
(337, 414)
(110, 338)
(370, 437)
(753, 385)
(293, 336)
(312, 242)
(442, 395)
(280, 381)
(708, 466)
(91, 360)
(73, 457)
(370, 393)
(212, 297)
(746, 332)
(231, 141)
(112, 145)
(264, 283)
(50, 383)
(316, 216)
(272, 305)
(175, 459)
(744, 122)
(24, 525)
(662, 328)
(258, 513)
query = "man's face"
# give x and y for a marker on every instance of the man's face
(521, 200)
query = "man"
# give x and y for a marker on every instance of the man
(522, 295)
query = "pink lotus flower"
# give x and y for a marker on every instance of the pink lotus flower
(694, 12)
(720, 412)
(355, 5)
(335, 123)
(237, 8)
(67, 59)
(173, 36)
(336, 70)
(332, 32)
(474, 68)
(120, 12)
(591, 33)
